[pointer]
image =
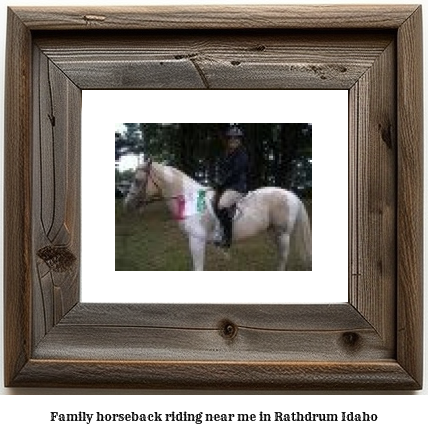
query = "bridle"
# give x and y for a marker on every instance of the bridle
(142, 199)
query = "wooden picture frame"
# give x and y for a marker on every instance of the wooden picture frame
(372, 342)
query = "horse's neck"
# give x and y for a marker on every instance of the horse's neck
(173, 182)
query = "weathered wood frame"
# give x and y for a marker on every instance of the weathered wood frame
(372, 342)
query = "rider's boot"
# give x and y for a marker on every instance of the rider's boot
(226, 223)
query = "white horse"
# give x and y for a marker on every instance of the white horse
(190, 203)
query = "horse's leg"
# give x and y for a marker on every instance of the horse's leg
(197, 249)
(283, 244)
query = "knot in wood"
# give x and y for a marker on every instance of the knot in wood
(94, 18)
(228, 329)
(351, 340)
(57, 258)
(258, 48)
(185, 56)
(386, 134)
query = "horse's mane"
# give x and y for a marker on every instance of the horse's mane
(178, 172)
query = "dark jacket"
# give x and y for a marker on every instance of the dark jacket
(234, 170)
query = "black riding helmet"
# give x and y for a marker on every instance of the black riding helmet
(234, 131)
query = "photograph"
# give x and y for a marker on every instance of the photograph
(222, 197)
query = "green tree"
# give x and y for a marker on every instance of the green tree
(280, 154)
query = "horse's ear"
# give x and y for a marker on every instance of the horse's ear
(149, 160)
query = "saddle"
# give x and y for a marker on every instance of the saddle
(233, 210)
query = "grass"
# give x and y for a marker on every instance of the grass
(152, 241)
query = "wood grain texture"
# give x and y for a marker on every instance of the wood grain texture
(410, 197)
(216, 60)
(217, 17)
(377, 375)
(372, 342)
(17, 197)
(209, 316)
(56, 194)
(198, 332)
(373, 148)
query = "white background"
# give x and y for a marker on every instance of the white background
(328, 113)
(397, 412)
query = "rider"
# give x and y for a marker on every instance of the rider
(233, 181)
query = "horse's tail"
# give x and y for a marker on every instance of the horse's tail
(302, 236)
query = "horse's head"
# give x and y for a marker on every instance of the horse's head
(143, 188)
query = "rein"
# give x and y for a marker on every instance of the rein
(149, 176)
